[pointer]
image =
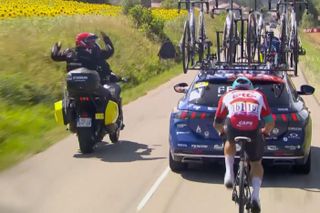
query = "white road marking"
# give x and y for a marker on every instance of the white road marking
(153, 189)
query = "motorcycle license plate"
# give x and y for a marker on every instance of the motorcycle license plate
(84, 122)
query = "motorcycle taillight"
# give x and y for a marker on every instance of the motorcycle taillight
(84, 98)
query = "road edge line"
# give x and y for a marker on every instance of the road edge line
(153, 189)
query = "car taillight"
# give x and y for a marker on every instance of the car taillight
(286, 117)
(184, 114)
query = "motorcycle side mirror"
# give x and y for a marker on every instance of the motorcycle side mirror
(181, 88)
(306, 90)
(167, 50)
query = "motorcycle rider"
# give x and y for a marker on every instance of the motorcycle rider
(87, 53)
(240, 113)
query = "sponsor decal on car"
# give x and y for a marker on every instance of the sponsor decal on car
(294, 128)
(294, 135)
(181, 125)
(198, 130)
(206, 134)
(283, 109)
(275, 131)
(285, 139)
(196, 107)
(183, 133)
(201, 84)
(211, 108)
(197, 146)
(182, 145)
(292, 148)
(218, 147)
(272, 148)
(223, 89)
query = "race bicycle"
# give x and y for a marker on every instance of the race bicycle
(290, 47)
(190, 44)
(241, 190)
(231, 36)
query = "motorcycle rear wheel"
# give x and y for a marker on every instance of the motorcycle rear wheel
(86, 139)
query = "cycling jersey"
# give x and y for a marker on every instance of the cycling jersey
(244, 109)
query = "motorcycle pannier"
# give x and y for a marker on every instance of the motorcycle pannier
(82, 81)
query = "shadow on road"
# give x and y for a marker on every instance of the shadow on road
(279, 176)
(123, 151)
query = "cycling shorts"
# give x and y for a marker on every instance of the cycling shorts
(255, 148)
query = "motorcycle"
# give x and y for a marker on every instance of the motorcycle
(89, 109)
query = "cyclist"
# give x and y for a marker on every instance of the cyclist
(87, 53)
(240, 113)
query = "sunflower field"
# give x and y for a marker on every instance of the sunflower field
(52, 8)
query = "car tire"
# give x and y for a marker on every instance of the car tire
(304, 168)
(176, 166)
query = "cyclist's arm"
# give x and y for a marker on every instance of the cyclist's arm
(221, 114)
(266, 114)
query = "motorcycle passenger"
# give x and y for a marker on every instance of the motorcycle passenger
(242, 112)
(87, 53)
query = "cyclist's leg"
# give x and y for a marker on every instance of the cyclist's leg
(254, 151)
(229, 153)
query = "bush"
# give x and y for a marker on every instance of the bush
(128, 4)
(140, 15)
(308, 21)
(143, 19)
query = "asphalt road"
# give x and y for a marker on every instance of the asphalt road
(133, 175)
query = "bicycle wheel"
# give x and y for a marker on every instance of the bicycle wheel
(229, 46)
(202, 38)
(283, 38)
(241, 187)
(251, 38)
(295, 54)
(185, 47)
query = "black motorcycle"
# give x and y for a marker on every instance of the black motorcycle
(89, 109)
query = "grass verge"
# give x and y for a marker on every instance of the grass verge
(310, 63)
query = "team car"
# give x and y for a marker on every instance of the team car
(193, 138)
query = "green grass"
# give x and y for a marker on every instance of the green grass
(310, 63)
(30, 82)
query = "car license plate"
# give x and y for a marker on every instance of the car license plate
(84, 122)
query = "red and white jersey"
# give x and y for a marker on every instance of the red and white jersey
(244, 108)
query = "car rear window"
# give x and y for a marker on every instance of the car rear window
(208, 94)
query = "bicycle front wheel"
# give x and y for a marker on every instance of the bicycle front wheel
(185, 47)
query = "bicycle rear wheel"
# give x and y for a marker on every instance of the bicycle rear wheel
(241, 187)
(185, 47)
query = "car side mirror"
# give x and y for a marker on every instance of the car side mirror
(181, 88)
(167, 50)
(306, 90)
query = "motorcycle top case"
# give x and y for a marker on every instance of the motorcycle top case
(82, 80)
